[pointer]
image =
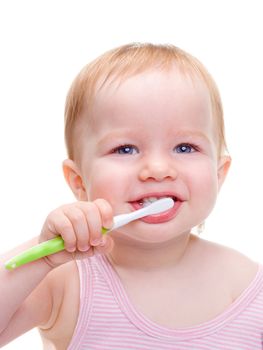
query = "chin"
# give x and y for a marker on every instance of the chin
(150, 233)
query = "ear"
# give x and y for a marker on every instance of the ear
(73, 177)
(224, 163)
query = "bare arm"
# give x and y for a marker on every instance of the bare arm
(30, 295)
(17, 313)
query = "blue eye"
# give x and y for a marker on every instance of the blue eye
(126, 150)
(185, 148)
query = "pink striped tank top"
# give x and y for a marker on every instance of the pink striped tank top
(108, 320)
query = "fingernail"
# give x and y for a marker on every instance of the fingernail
(84, 248)
(103, 242)
(97, 241)
(71, 249)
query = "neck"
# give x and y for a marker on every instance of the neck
(151, 256)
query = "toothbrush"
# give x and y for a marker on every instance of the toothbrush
(57, 244)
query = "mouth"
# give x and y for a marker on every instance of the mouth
(144, 202)
(161, 217)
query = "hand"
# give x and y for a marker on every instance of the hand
(79, 224)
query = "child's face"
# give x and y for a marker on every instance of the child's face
(153, 136)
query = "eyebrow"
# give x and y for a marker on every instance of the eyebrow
(191, 133)
(126, 133)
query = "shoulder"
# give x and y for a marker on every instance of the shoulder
(61, 280)
(231, 266)
(64, 286)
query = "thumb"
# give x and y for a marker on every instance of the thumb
(104, 248)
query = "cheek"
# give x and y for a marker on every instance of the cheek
(103, 181)
(208, 188)
(205, 182)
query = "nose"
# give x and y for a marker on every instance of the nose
(158, 169)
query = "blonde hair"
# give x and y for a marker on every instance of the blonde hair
(128, 60)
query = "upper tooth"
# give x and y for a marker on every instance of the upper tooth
(149, 200)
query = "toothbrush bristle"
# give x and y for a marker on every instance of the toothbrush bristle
(161, 205)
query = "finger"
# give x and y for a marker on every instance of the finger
(83, 255)
(105, 248)
(106, 212)
(94, 222)
(62, 226)
(78, 220)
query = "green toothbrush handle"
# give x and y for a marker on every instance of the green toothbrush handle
(37, 252)
(46, 248)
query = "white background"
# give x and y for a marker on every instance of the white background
(43, 46)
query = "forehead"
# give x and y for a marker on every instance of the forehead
(169, 92)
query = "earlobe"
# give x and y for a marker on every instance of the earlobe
(223, 168)
(74, 179)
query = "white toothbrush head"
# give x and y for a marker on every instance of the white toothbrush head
(156, 207)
